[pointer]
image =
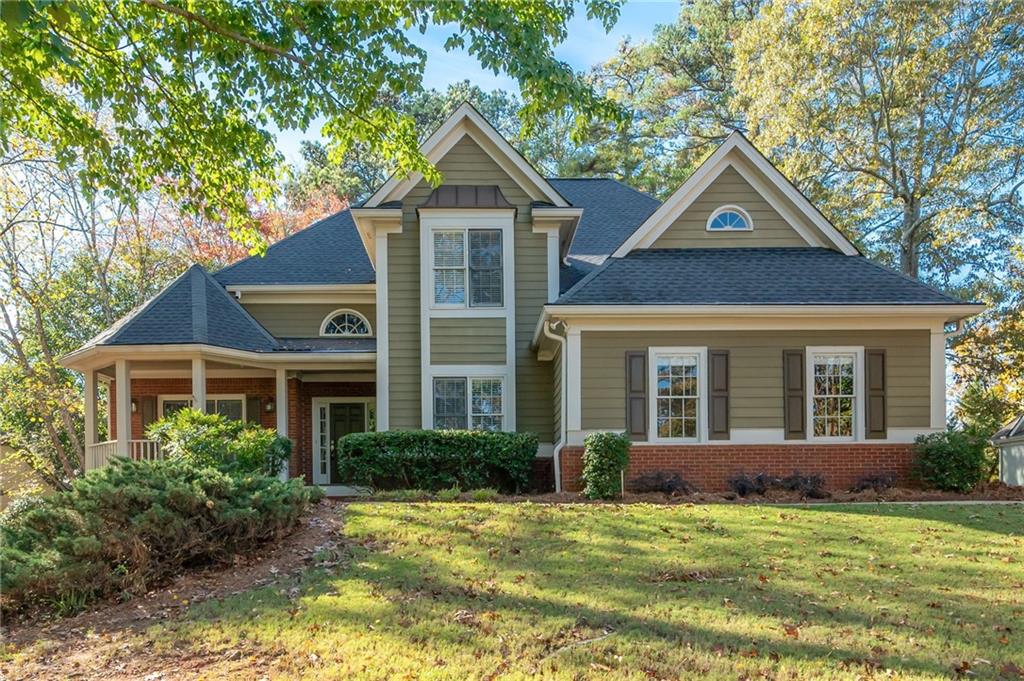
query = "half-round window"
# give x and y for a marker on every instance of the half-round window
(345, 323)
(730, 219)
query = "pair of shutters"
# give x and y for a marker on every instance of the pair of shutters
(718, 395)
(794, 394)
(793, 387)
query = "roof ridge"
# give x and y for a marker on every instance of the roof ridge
(122, 323)
(606, 179)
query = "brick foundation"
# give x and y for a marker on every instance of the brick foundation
(300, 406)
(709, 467)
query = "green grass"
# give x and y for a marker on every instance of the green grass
(454, 591)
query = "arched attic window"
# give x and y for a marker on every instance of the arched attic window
(345, 323)
(730, 219)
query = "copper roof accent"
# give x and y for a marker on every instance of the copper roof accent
(466, 196)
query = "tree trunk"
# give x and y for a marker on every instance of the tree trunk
(910, 243)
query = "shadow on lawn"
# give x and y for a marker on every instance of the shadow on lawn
(1006, 519)
(422, 595)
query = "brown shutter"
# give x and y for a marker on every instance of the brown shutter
(147, 406)
(718, 394)
(794, 406)
(636, 395)
(252, 409)
(874, 381)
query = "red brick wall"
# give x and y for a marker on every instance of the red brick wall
(709, 467)
(300, 406)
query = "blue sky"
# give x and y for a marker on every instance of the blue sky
(587, 44)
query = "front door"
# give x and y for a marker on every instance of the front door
(345, 418)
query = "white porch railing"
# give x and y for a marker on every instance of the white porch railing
(100, 454)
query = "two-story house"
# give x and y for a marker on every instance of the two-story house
(730, 328)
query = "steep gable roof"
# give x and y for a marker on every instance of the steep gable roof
(466, 120)
(659, 221)
(192, 309)
(327, 252)
(611, 212)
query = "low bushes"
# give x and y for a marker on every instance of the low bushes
(876, 483)
(952, 461)
(671, 484)
(605, 457)
(437, 459)
(808, 486)
(122, 528)
(211, 440)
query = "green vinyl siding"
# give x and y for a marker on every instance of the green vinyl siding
(300, 320)
(755, 367)
(461, 340)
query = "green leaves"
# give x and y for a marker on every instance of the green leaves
(183, 96)
(605, 457)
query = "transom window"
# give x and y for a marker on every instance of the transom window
(834, 396)
(468, 268)
(475, 403)
(677, 386)
(730, 219)
(345, 323)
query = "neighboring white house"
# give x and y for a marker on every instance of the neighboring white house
(1010, 443)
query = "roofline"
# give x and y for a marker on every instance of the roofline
(946, 311)
(87, 358)
(668, 210)
(300, 288)
(438, 144)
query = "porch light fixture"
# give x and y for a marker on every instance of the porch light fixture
(135, 405)
(268, 406)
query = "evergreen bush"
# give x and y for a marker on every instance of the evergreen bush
(953, 461)
(605, 457)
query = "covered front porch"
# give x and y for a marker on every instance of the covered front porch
(310, 400)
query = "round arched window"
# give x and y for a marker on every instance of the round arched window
(730, 219)
(345, 323)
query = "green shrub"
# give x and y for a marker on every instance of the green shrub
(450, 494)
(122, 528)
(206, 440)
(605, 456)
(437, 459)
(953, 461)
(483, 495)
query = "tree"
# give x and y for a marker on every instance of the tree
(906, 125)
(194, 90)
(71, 263)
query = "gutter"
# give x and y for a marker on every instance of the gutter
(557, 454)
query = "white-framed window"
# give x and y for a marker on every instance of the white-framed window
(473, 402)
(231, 407)
(730, 219)
(678, 390)
(835, 393)
(345, 323)
(468, 268)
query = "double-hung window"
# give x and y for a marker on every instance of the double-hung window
(468, 268)
(834, 386)
(678, 387)
(231, 407)
(474, 403)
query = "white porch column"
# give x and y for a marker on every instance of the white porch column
(281, 406)
(199, 384)
(90, 418)
(123, 387)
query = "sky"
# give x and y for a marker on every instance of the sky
(587, 45)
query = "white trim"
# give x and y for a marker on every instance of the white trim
(96, 355)
(701, 353)
(281, 413)
(383, 333)
(469, 372)
(300, 288)
(160, 399)
(858, 390)
(557, 451)
(315, 452)
(346, 310)
(90, 408)
(198, 385)
(682, 198)
(937, 379)
(765, 436)
(573, 387)
(123, 429)
(467, 121)
(730, 208)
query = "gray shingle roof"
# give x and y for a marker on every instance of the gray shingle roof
(748, 276)
(611, 212)
(327, 252)
(191, 309)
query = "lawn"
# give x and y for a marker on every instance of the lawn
(457, 591)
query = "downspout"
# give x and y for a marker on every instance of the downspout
(557, 454)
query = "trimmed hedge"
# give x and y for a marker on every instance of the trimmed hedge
(437, 459)
(953, 461)
(605, 456)
(122, 528)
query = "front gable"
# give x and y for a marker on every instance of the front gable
(737, 178)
